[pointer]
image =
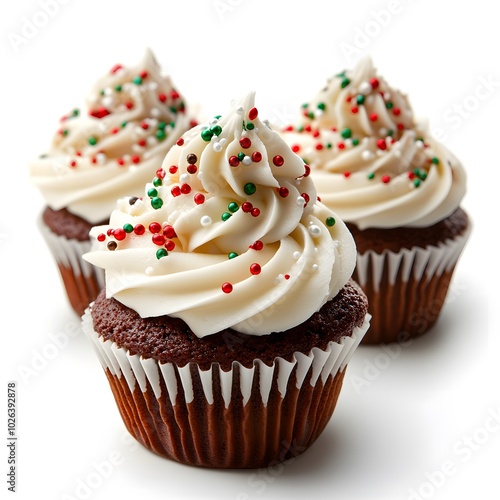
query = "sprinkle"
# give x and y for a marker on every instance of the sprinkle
(92, 141)
(389, 105)
(191, 158)
(247, 207)
(278, 161)
(314, 231)
(321, 106)
(255, 268)
(373, 117)
(255, 212)
(250, 188)
(345, 82)
(371, 176)
(139, 229)
(101, 237)
(233, 207)
(300, 201)
(176, 191)
(330, 221)
(169, 231)
(296, 255)
(416, 182)
(347, 175)
(354, 110)
(205, 221)
(360, 99)
(245, 142)
(233, 161)
(199, 198)
(315, 267)
(381, 144)
(374, 83)
(241, 156)
(158, 239)
(128, 228)
(367, 155)
(295, 148)
(119, 234)
(435, 160)
(152, 192)
(156, 203)
(154, 227)
(365, 88)
(283, 192)
(386, 179)
(207, 134)
(170, 245)
(185, 188)
(192, 169)
(232, 255)
(173, 169)
(346, 133)
(247, 160)
(256, 156)
(227, 287)
(112, 245)
(161, 252)
(216, 130)
(252, 114)
(180, 141)
(258, 245)
(286, 276)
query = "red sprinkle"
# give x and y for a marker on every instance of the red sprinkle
(170, 245)
(396, 111)
(135, 159)
(347, 174)
(258, 245)
(373, 117)
(255, 268)
(374, 83)
(185, 189)
(341, 145)
(173, 169)
(160, 173)
(307, 170)
(255, 212)
(319, 146)
(139, 229)
(381, 144)
(199, 198)
(180, 141)
(247, 207)
(245, 142)
(120, 162)
(283, 192)
(295, 148)
(169, 231)
(142, 143)
(101, 237)
(116, 68)
(287, 276)
(162, 97)
(252, 114)
(192, 169)
(354, 110)
(154, 227)
(233, 161)
(385, 179)
(158, 239)
(176, 191)
(256, 156)
(227, 287)
(119, 234)
(278, 160)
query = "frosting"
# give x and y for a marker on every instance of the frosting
(372, 162)
(108, 151)
(228, 234)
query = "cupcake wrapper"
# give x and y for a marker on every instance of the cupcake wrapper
(82, 280)
(406, 290)
(245, 417)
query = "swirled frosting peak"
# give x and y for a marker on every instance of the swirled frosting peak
(108, 150)
(371, 161)
(228, 234)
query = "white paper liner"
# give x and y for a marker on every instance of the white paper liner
(137, 369)
(431, 261)
(68, 253)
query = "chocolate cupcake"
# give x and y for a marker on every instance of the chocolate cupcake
(398, 190)
(229, 315)
(100, 154)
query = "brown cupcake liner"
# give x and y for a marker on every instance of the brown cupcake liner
(82, 281)
(242, 418)
(406, 290)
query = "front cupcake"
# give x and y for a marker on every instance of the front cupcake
(229, 315)
(398, 190)
(134, 115)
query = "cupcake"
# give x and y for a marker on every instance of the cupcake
(99, 155)
(398, 190)
(229, 315)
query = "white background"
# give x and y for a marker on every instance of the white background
(413, 413)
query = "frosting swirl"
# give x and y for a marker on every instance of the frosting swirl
(134, 116)
(228, 234)
(372, 162)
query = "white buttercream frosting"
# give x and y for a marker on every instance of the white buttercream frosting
(371, 161)
(229, 234)
(108, 150)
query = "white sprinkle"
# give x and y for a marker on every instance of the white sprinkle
(301, 201)
(240, 110)
(247, 160)
(222, 141)
(365, 88)
(126, 158)
(107, 101)
(315, 267)
(296, 255)
(183, 178)
(217, 147)
(149, 271)
(348, 142)
(383, 131)
(314, 231)
(367, 155)
(205, 221)
(151, 140)
(132, 168)
(278, 279)
(419, 144)
(101, 158)
(152, 121)
(153, 85)
(214, 139)
(136, 148)
(387, 96)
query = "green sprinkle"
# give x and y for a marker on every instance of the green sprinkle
(330, 221)
(137, 80)
(389, 105)
(423, 175)
(346, 133)
(310, 115)
(232, 255)
(160, 135)
(152, 192)
(118, 88)
(173, 109)
(216, 129)
(341, 75)
(360, 99)
(250, 188)
(416, 172)
(355, 142)
(371, 176)
(390, 133)
(435, 161)
(102, 92)
(128, 228)
(217, 117)
(250, 126)
(206, 134)
(416, 182)
(161, 125)
(161, 252)
(321, 105)
(329, 145)
(225, 216)
(345, 82)
(241, 156)
(157, 182)
(92, 141)
(123, 124)
(65, 132)
(300, 128)
(233, 207)
(156, 203)
(76, 112)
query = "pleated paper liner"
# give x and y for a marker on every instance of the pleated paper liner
(242, 418)
(82, 281)
(406, 290)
